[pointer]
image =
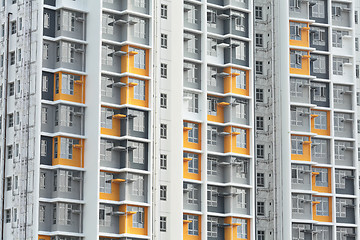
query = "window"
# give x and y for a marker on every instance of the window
(105, 182)
(318, 10)
(320, 149)
(298, 203)
(19, 54)
(212, 163)
(212, 227)
(319, 36)
(212, 106)
(68, 21)
(320, 92)
(8, 183)
(138, 120)
(139, 58)
(8, 216)
(190, 12)
(319, 65)
(211, 47)
(338, 65)
(163, 131)
(42, 180)
(259, 95)
(241, 168)
(294, 5)
(211, 76)
(322, 208)
(357, 44)
(107, 53)
(13, 27)
(163, 161)
(45, 83)
(137, 185)
(259, 67)
(212, 196)
(64, 116)
(240, 50)
(138, 152)
(105, 215)
(337, 37)
(241, 138)
(107, 84)
(106, 117)
(258, 13)
(20, 24)
(241, 231)
(295, 30)
(162, 224)
(192, 194)
(239, 22)
(260, 151)
(259, 40)
(10, 120)
(240, 198)
(12, 58)
(356, 13)
(67, 52)
(320, 120)
(260, 180)
(193, 226)
(297, 144)
(321, 180)
(2, 30)
(260, 235)
(341, 205)
(163, 100)
(139, 28)
(211, 18)
(357, 71)
(340, 148)
(339, 122)
(296, 87)
(241, 108)
(190, 72)
(340, 176)
(241, 78)
(163, 70)
(11, 89)
(44, 115)
(140, 3)
(193, 133)
(42, 213)
(164, 11)
(138, 217)
(193, 164)
(163, 192)
(164, 40)
(259, 123)
(14, 214)
(139, 89)
(2, 60)
(296, 116)
(296, 59)
(260, 208)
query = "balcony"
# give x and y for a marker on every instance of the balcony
(299, 9)
(344, 181)
(130, 5)
(341, 14)
(319, 38)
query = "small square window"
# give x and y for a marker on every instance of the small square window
(258, 13)
(11, 89)
(11, 120)
(260, 208)
(259, 40)
(260, 151)
(7, 215)
(163, 192)
(259, 67)
(10, 152)
(164, 40)
(260, 180)
(8, 183)
(163, 161)
(259, 123)
(12, 58)
(259, 94)
(163, 100)
(260, 235)
(164, 11)
(13, 27)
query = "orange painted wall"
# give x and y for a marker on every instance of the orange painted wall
(231, 231)
(79, 90)
(115, 192)
(115, 131)
(305, 41)
(126, 222)
(188, 144)
(321, 189)
(42, 237)
(306, 156)
(194, 176)
(230, 82)
(127, 94)
(323, 218)
(219, 114)
(305, 70)
(321, 131)
(186, 236)
(127, 62)
(230, 142)
(78, 155)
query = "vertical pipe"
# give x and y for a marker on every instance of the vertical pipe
(5, 124)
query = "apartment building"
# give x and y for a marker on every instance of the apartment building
(169, 119)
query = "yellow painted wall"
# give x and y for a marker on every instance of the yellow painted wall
(127, 62)
(126, 222)
(219, 114)
(323, 218)
(321, 131)
(194, 176)
(305, 70)
(78, 155)
(231, 231)
(115, 192)
(186, 236)
(127, 94)
(79, 89)
(43, 237)
(115, 130)
(321, 189)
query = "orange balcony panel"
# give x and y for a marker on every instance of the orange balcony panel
(69, 87)
(128, 60)
(186, 162)
(231, 232)
(306, 151)
(318, 117)
(129, 93)
(231, 140)
(188, 142)
(322, 218)
(305, 65)
(316, 173)
(219, 117)
(77, 153)
(43, 237)
(304, 33)
(115, 191)
(116, 125)
(230, 85)
(186, 235)
(126, 221)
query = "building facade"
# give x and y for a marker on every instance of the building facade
(169, 119)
